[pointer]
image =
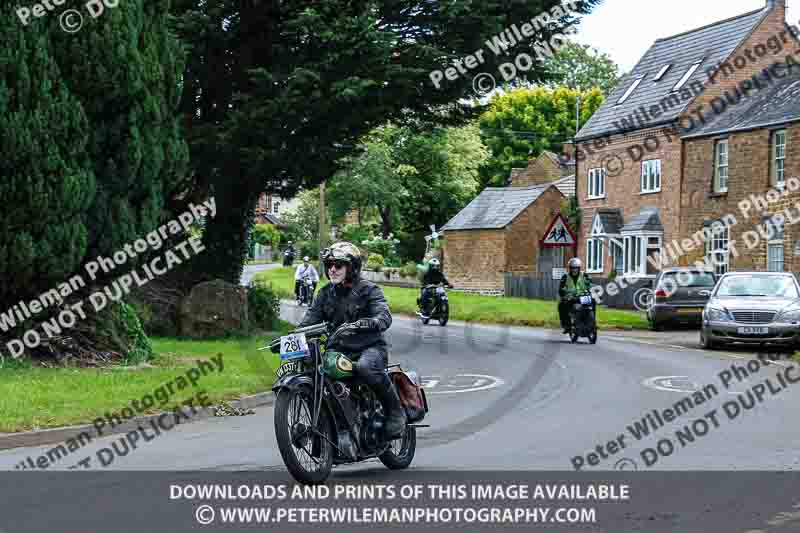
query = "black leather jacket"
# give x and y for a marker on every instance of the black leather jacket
(434, 277)
(337, 305)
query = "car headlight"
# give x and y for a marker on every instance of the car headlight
(790, 315)
(718, 315)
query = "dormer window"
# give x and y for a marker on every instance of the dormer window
(686, 76)
(630, 90)
(661, 72)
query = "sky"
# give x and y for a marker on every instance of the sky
(625, 29)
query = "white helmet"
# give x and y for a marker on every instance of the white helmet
(435, 263)
(575, 263)
(305, 259)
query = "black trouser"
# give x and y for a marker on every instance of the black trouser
(425, 300)
(371, 367)
(564, 309)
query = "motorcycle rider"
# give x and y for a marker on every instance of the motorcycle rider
(306, 270)
(360, 306)
(433, 276)
(572, 285)
(288, 254)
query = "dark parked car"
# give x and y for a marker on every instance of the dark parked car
(753, 308)
(680, 295)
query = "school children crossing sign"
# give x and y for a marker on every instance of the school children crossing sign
(558, 234)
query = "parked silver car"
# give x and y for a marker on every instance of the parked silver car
(753, 308)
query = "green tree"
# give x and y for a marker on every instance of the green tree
(46, 178)
(581, 67)
(277, 93)
(523, 123)
(302, 224)
(125, 69)
(267, 235)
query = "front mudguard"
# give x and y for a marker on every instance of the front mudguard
(292, 382)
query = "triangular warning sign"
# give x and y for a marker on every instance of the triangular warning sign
(559, 234)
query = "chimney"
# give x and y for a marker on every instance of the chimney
(779, 6)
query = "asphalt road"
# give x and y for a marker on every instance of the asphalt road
(521, 399)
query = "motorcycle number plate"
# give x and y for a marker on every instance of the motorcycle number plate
(294, 366)
(294, 346)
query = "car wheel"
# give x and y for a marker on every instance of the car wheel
(707, 343)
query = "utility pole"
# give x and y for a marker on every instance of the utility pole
(323, 232)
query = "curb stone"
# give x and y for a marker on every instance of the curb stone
(26, 439)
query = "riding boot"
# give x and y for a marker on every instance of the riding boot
(395, 414)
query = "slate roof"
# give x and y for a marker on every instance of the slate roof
(777, 104)
(566, 185)
(714, 43)
(495, 207)
(647, 219)
(611, 219)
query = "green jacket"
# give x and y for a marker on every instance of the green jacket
(570, 287)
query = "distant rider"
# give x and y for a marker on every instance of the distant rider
(306, 270)
(434, 276)
(359, 305)
(572, 285)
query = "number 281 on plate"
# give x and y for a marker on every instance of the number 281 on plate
(294, 346)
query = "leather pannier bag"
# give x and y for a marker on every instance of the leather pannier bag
(412, 396)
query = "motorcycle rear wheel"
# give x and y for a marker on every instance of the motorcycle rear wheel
(400, 456)
(295, 440)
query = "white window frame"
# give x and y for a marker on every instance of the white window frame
(617, 250)
(776, 243)
(686, 76)
(661, 72)
(634, 252)
(718, 244)
(721, 163)
(778, 156)
(596, 184)
(630, 90)
(650, 181)
(594, 256)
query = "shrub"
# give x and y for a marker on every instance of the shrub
(382, 246)
(409, 270)
(264, 306)
(356, 234)
(375, 262)
(267, 235)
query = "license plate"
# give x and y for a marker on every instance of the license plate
(294, 366)
(753, 331)
(294, 346)
(689, 311)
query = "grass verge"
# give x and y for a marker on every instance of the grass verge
(476, 308)
(37, 398)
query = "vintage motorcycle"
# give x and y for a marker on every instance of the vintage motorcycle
(288, 258)
(325, 415)
(441, 306)
(583, 318)
(305, 293)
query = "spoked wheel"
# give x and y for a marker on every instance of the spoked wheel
(401, 451)
(307, 453)
(444, 314)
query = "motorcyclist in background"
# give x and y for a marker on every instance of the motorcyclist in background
(434, 276)
(360, 306)
(304, 271)
(572, 285)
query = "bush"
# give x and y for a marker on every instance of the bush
(409, 270)
(267, 235)
(375, 262)
(263, 305)
(118, 328)
(385, 247)
(356, 234)
(308, 248)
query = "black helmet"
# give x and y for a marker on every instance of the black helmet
(346, 252)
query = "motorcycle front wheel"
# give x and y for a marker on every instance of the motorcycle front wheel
(402, 450)
(444, 313)
(308, 454)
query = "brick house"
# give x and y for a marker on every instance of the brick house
(690, 132)
(500, 230)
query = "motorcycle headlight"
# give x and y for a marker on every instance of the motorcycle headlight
(718, 315)
(790, 315)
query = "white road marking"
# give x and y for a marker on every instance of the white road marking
(479, 383)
